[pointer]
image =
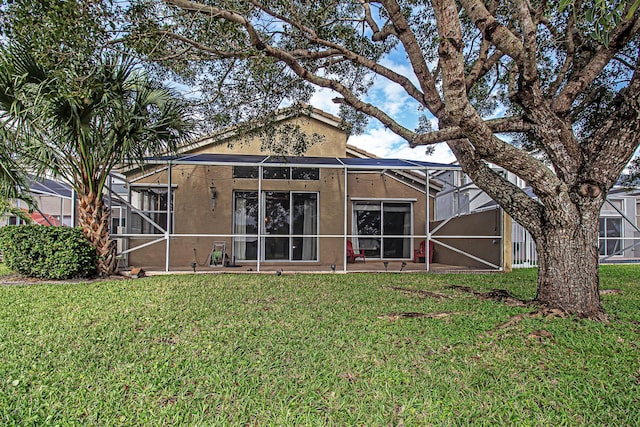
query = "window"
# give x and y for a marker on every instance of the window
(245, 225)
(116, 220)
(610, 241)
(304, 224)
(245, 172)
(290, 226)
(610, 228)
(305, 174)
(152, 202)
(274, 172)
(382, 229)
(608, 206)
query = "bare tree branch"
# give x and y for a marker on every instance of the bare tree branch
(501, 125)
(529, 34)
(493, 31)
(432, 99)
(462, 114)
(612, 137)
(215, 53)
(570, 50)
(483, 65)
(377, 35)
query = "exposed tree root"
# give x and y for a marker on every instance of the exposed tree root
(500, 295)
(597, 315)
(504, 296)
(547, 313)
(392, 317)
(419, 293)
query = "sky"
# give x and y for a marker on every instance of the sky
(380, 141)
(392, 99)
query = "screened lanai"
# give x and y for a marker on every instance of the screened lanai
(295, 213)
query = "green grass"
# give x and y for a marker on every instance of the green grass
(312, 350)
(4, 270)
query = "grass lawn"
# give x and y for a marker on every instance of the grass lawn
(313, 350)
(4, 270)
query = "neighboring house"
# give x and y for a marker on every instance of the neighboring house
(620, 226)
(619, 218)
(54, 204)
(223, 194)
(53, 201)
(460, 196)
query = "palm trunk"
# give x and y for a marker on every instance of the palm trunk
(568, 268)
(94, 221)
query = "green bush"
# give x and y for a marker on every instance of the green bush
(47, 252)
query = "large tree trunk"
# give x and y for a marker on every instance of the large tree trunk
(568, 267)
(94, 221)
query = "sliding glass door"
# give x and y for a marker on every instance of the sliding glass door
(382, 229)
(396, 222)
(245, 225)
(290, 226)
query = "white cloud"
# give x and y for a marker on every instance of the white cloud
(384, 143)
(403, 67)
(394, 101)
(388, 96)
(322, 99)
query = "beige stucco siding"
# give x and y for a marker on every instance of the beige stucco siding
(489, 249)
(333, 143)
(193, 213)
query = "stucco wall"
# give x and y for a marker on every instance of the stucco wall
(334, 143)
(193, 213)
(487, 223)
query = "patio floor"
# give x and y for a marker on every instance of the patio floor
(358, 267)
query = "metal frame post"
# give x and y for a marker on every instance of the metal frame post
(167, 233)
(261, 211)
(346, 217)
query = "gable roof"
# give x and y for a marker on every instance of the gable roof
(49, 187)
(222, 135)
(355, 158)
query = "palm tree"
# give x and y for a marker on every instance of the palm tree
(78, 126)
(13, 178)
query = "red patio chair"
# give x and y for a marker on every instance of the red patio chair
(351, 255)
(420, 253)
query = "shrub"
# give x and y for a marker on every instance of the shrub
(47, 252)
